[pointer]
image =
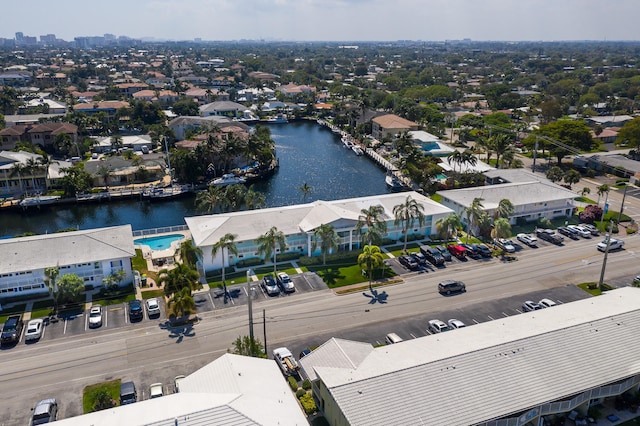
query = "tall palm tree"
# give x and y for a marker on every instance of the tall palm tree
(474, 213)
(254, 199)
(505, 209)
(468, 158)
(227, 243)
(372, 219)
(50, 278)
(189, 253)
(18, 169)
(31, 167)
(326, 236)
(572, 176)
(182, 302)
(407, 214)
(174, 280)
(306, 190)
(209, 199)
(104, 172)
(501, 143)
(268, 244)
(448, 226)
(602, 189)
(455, 158)
(370, 258)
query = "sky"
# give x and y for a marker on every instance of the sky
(327, 20)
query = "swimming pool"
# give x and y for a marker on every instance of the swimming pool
(159, 242)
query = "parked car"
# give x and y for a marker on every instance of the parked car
(433, 255)
(471, 251)
(153, 307)
(269, 285)
(530, 305)
(12, 330)
(483, 250)
(45, 411)
(419, 257)
(455, 324)
(176, 383)
(594, 231)
(580, 231)
(547, 303)
(34, 329)
(408, 262)
(304, 353)
(155, 390)
(285, 283)
(437, 326)
(135, 310)
(614, 244)
(528, 239)
(128, 394)
(451, 286)
(95, 316)
(458, 251)
(568, 232)
(445, 253)
(392, 338)
(549, 235)
(505, 245)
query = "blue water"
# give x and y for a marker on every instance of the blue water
(307, 153)
(161, 242)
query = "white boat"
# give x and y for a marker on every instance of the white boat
(393, 182)
(278, 119)
(227, 179)
(357, 150)
(347, 142)
(39, 200)
(168, 192)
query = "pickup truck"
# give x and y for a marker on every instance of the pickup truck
(11, 330)
(458, 251)
(286, 361)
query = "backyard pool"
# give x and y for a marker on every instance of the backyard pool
(159, 242)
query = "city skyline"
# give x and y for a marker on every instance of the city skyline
(330, 20)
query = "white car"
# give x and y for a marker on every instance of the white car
(155, 390)
(437, 326)
(153, 307)
(613, 244)
(456, 323)
(584, 233)
(34, 329)
(176, 383)
(284, 281)
(547, 303)
(589, 227)
(528, 239)
(530, 305)
(505, 245)
(95, 316)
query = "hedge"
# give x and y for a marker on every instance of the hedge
(300, 392)
(293, 383)
(306, 385)
(308, 404)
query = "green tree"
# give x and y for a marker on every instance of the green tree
(555, 174)
(630, 133)
(602, 190)
(70, 288)
(371, 220)
(306, 190)
(113, 280)
(571, 177)
(501, 229)
(185, 106)
(269, 243)
(182, 302)
(326, 237)
(227, 245)
(190, 253)
(406, 214)
(575, 135)
(370, 259)
(51, 280)
(254, 199)
(447, 227)
(244, 345)
(103, 400)
(505, 209)
(104, 172)
(174, 280)
(585, 191)
(210, 199)
(474, 214)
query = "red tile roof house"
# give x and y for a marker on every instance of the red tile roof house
(390, 125)
(40, 134)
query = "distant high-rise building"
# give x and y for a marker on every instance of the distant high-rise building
(48, 39)
(19, 37)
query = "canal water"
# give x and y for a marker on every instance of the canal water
(307, 153)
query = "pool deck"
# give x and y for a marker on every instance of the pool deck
(167, 254)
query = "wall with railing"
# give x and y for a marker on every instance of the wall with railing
(155, 231)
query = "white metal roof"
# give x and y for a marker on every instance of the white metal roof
(65, 248)
(492, 369)
(232, 390)
(251, 224)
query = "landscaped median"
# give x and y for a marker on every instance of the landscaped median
(101, 396)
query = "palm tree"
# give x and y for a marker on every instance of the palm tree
(267, 245)
(407, 214)
(18, 169)
(585, 191)
(182, 302)
(306, 190)
(602, 189)
(474, 214)
(372, 220)
(174, 280)
(370, 258)
(50, 278)
(32, 166)
(571, 177)
(505, 209)
(501, 143)
(225, 243)
(467, 157)
(189, 253)
(325, 235)
(448, 226)
(555, 174)
(254, 199)
(105, 173)
(455, 158)
(501, 229)
(210, 199)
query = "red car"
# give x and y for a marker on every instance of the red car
(458, 251)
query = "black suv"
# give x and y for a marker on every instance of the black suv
(135, 310)
(12, 330)
(451, 286)
(409, 262)
(433, 255)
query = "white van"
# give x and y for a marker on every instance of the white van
(392, 338)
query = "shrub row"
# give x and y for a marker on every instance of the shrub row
(293, 383)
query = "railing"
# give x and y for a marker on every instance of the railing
(155, 231)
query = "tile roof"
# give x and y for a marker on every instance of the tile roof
(392, 121)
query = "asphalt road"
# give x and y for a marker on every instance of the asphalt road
(151, 352)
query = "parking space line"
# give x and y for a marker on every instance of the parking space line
(64, 330)
(477, 322)
(519, 311)
(411, 334)
(492, 319)
(308, 283)
(211, 298)
(106, 318)
(43, 329)
(86, 322)
(126, 316)
(505, 315)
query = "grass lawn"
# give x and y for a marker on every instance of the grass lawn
(339, 275)
(115, 300)
(139, 263)
(89, 394)
(592, 288)
(585, 200)
(42, 313)
(150, 294)
(18, 309)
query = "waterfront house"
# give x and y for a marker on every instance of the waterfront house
(298, 223)
(91, 254)
(42, 134)
(223, 108)
(16, 178)
(390, 126)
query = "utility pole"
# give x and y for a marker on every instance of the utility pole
(264, 329)
(605, 209)
(250, 312)
(606, 252)
(624, 195)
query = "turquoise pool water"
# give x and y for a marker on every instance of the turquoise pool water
(160, 242)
